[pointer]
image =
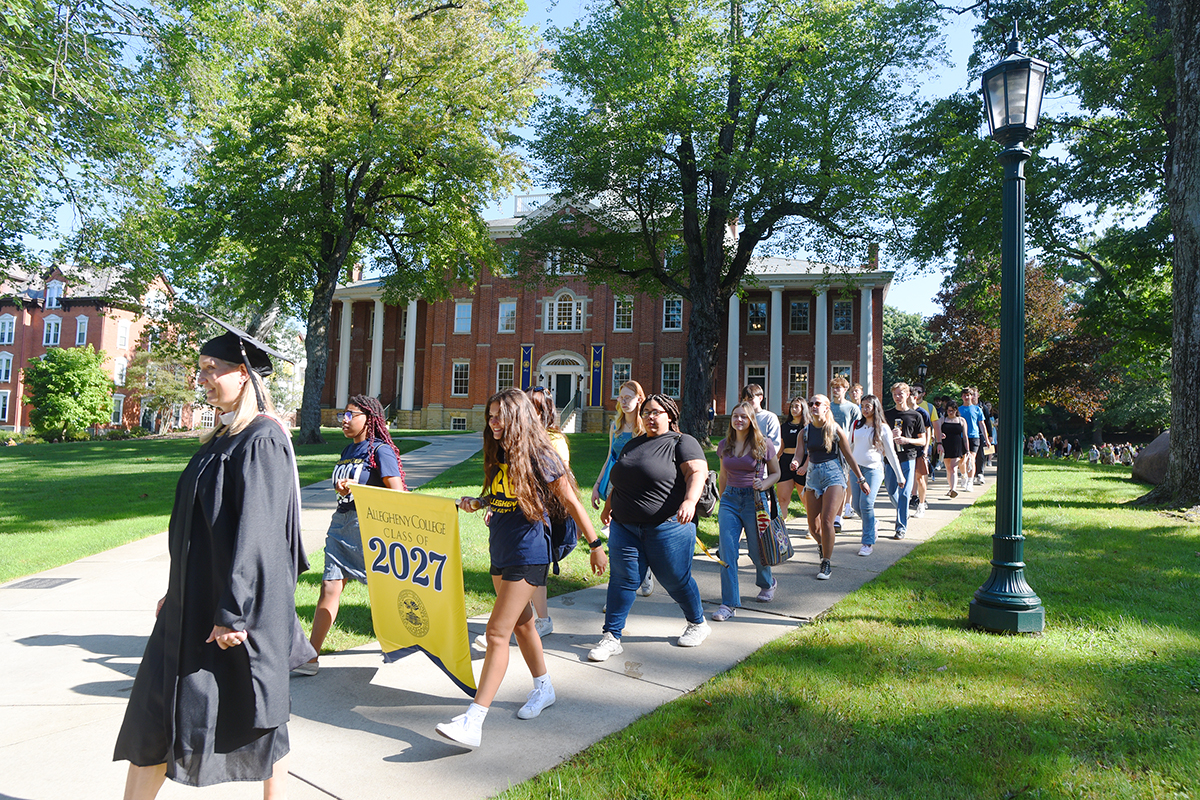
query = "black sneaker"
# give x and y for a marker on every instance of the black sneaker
(912, 501)
(826, 570)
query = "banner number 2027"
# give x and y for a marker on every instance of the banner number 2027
(407, 563)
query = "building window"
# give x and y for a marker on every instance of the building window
(756, 317)
(458, 423)
(371, 323)
(841, 369)
(4, 406)
(508, 317)
(123, 333)
(622, 371)
(403, 322)
(8, 325)
(54, 292)
(623, 314)
(120, 368)
(177, 415)
(50, 334)
(208, 417)
(757, 373)
(797, 382)
(462, 317)
(564, 313)
(843, 316)
(81, 331)
(118, 408)
(460, 378)
(504, 375)
(6, 360)
(673, 314)
(798, 319)
(671, 374)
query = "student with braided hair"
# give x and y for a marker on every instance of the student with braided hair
(371, 459)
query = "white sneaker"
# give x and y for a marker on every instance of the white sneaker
(979, 480)
(609, 646)
(865, 550)
(920, 512)
(462, 730)
(308, 668)
(694, 634)
(647, 587)
(966, 487)
(537, 700)
(544, 626)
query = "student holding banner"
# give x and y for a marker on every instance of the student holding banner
(371, 459)
(525, 483)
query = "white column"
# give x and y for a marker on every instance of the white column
(866, 337)
(343, 376)
(376, 351)
(821, 356)
(775, 376)
(733, 354)
(410, 357)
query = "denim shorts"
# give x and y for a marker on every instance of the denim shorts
(343, 549)
(824, 476)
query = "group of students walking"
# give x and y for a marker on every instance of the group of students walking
(210, 702)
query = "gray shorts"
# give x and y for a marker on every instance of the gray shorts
(343, 549)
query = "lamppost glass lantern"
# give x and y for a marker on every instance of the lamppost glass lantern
(1012, 93)
(922, 372)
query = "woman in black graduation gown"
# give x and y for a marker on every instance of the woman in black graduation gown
(210, 703)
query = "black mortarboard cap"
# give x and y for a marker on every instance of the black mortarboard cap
(238, 347)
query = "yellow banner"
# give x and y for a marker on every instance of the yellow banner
(415, 579)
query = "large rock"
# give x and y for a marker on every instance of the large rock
(1151, 464)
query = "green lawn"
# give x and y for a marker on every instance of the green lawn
(889, 695)
(61, 502)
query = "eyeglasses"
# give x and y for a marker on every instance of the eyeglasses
(346, 416)
(815, 404)
(648, 413)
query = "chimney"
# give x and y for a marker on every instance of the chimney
(873, 256)
(356, 272)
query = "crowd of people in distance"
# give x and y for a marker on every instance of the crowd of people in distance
(1039, 446)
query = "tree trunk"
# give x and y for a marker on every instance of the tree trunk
(316, 348)
(1183, 198)
(704, 334)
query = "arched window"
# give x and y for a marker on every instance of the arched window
(565, 312)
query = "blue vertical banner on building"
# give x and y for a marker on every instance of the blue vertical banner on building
(596, 395)
(526, 367)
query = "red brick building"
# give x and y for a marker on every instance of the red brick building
(435, 364)
(70, 308)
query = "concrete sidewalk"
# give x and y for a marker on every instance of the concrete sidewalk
(71, 638)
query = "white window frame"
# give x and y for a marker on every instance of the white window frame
(843, 368)
(673, 365)
(462, 316)
(370, 326)
(617, 315)
(807, 381)
(625, 366)
(120, 370)
(848, 316)
(760, 379)
(177, 415)
(458, 423)
(674, 302)
(51, 323)
(208, 417)
(123, 333)
(403, 321)
(3, 405)
(565, 305)
(751, 316)
(81, 330)
(807, 317)
(54, 294)
(512, 377)
(6, 362)
(455, 368)
(118, 409)
(506, 312)
(8, 328)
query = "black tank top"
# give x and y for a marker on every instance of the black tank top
(814, 440)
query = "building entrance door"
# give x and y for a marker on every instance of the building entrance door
(564, 389)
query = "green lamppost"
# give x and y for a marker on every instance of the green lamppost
(1012, 92)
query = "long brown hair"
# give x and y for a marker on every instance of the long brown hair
(525, 446)
(876, 422)
(758, 445)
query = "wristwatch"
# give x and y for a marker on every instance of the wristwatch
(596, 543)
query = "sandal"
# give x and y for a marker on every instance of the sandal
(723, 613)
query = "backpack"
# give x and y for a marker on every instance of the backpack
(564, 536)
(708, 496)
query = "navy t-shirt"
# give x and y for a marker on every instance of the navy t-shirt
(512, 539)
(353, 466)
(648, 486)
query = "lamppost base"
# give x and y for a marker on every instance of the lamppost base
(1007, 620)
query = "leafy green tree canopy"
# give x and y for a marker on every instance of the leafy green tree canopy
(69, 391)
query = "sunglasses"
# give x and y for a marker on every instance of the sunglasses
(346, 416)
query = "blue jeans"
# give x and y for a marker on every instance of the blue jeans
(667, 550)
(900, 497)
(864, 504)
(737, 513)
